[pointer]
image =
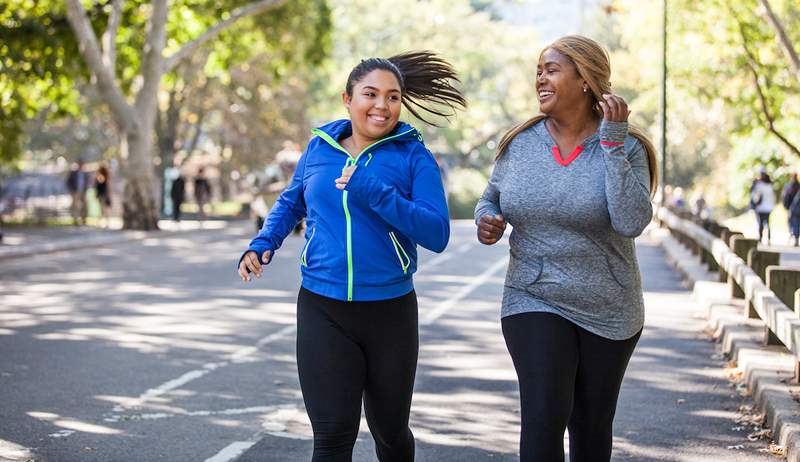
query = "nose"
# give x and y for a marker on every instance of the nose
(380, 103)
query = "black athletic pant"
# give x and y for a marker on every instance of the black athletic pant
(568, 378)
(347, 351)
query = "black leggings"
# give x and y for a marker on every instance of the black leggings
(763, 223)
(350, 350)
(568, 378)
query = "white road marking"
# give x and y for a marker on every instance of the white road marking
(232, 451)
(476, 282)
(237, 356)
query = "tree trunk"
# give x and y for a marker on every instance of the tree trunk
(139, 208)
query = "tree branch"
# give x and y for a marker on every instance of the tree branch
(109, 90)
(152, 63)
(109, 39)
(783, 38)
(190, 47)
(752, 64)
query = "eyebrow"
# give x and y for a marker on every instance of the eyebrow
(378, 89)
(548, 63)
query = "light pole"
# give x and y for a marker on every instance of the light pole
(663, 180)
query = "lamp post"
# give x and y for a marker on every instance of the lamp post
(663, 179)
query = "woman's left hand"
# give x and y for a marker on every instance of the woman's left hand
(341, 182)
(615, 109)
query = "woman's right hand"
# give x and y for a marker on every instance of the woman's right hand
(491, 228)
(250, 263)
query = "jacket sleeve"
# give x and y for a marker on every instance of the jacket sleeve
(627, 176)
(489, 203)
(289, 208)
(423, 218)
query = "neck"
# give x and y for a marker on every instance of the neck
(575, 123)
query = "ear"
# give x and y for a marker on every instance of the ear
(346, 100)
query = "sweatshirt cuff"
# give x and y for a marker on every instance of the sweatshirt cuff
(259, 252)
(362, 184)
(612, 134)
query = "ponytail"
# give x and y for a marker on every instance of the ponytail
(424, 78)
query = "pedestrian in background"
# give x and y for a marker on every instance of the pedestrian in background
(371, 192)
(202, 192)
(177, 193)
(102, 187)
(77, 185)
(575, 183)
(762, 198)
(791, 202)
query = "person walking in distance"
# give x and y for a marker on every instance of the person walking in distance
(102, 187)
(575, 183)
(77, 185)
(371, 192)
(202, 192)
(177, 193)
(789, 199)
(762, 197)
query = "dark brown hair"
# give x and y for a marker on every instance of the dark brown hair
(424, 78)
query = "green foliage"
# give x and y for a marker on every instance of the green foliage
(465, 186)
(36, 50)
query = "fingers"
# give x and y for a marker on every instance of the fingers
(614, 107)
(250, 263)
(341, 182)
(265, 257)
(490, 229)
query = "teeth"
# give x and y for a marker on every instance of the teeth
(546, 93)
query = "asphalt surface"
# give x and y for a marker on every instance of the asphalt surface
(154, 350)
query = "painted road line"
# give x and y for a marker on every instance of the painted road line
(237, 356)
(232, 451)
(431, 316)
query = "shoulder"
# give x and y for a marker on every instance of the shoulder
(530, 137)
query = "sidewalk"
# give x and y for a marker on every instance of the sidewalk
(764, 371)
(22, 241)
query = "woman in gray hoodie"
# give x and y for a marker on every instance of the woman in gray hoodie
(575, 183)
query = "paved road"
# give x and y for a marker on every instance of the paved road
(154, 351)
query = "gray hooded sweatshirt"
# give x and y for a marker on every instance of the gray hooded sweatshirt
(574, 223)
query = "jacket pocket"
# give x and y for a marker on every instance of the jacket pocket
(304, 254)
(402, 256)
(577, 281)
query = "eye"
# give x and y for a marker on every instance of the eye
(394, 98)
(371, 94)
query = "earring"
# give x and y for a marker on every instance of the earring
(585, 89)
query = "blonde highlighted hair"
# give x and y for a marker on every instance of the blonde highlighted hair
(594, 66)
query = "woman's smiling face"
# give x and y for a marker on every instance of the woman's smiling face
(375, 104)
(558, 83)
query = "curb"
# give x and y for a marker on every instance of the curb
(768, 370)
(81, 242)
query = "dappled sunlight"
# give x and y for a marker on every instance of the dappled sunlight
(73, 424)
(12, 451)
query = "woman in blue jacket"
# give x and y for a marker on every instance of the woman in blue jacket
(370, 192)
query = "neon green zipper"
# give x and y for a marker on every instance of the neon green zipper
(349, 163)
(399, 248)
(303, 260)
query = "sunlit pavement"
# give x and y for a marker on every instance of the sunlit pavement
(154, 350)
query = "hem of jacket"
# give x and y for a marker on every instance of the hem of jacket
(360, 293)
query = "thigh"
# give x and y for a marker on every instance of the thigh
(391, 349)
(330, 363)
(544, 349)
(601, 368)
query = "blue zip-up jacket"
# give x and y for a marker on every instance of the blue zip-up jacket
(361, 242)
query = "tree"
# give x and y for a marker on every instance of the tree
(134, 114)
